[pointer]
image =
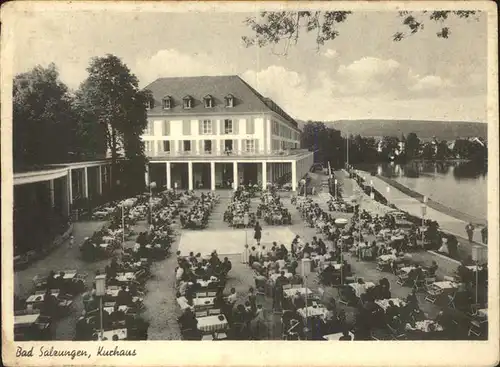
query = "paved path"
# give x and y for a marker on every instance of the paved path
(414, 207)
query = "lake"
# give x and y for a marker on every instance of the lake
(461, 186)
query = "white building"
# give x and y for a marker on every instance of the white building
(219, 132)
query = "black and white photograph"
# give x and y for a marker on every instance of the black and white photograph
(248, 172)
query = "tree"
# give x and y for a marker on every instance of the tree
(273, 28)
(389, 145)
(110, 96)
(43, 120)
(412, 146)
(442, 150)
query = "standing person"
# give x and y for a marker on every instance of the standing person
(484, 235)
(72, 241)
(258, 233)
(469, 228)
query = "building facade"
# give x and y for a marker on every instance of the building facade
(219, 132)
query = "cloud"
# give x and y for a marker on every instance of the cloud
(330, 53)
(171, 62)
(368, 88)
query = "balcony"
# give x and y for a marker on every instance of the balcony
(240, 155)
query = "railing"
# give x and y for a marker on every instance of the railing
(227, 154)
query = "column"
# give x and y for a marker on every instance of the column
(70, 186)
(264, 175)
(212, 176)
(190, 175)
(65, 193)
(235, 175)
(294, 175)
(99, 180)
(51, 189)
(85, 183)
(169, 176)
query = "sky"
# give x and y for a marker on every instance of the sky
(361, 74)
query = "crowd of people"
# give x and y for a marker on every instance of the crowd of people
(197, 216)
(238, 214)
(271, 209)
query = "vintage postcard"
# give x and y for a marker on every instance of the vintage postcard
(250, 183)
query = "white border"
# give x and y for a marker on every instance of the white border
(258, 353)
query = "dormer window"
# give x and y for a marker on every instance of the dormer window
(167, 102)
(150, 104)
(229, 100)
(209, 101)
(187, 102)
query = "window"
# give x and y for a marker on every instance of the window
(249, 145)
(186, 144)
(148, 146)
(250, 127)
(166, 145)
(229, 100)
(209, 101)
(208, 145)
(206, 127)
(166, 128)
(188, 102)
(149, 128)
(167, 103)
(228, 126)
(150, 104)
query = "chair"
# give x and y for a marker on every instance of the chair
(451, 300)
(402, 279)
(473, 310)
(201, 294)
(201, 313)
(220, 336)
(433, 294)
(214, 311)
(211, 294)
(477, 328)
(419, 285)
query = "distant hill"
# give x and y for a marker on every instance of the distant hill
(443, 130)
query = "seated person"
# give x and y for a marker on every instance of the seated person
(117, 315)
(123, 297)
(345, 335)
(392, 311)
(432, 269)
(299, 301)
(464, 273)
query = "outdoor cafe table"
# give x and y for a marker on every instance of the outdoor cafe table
(211, 323)
(275, 276)
(108, 335)
(40, 297)
(424, 326)
(336, 337)
(312, 311)
(25, 320)
(483, 312)
(384, 303)
(397, 238)
(387, 258)
(361, 288)
(205, 283)
(291, 291)
(68, 274)
(445, 285)
(197, 302)
(474, 268)
(125, 277)
(108, 239)
(109, 310)
(407, 269)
